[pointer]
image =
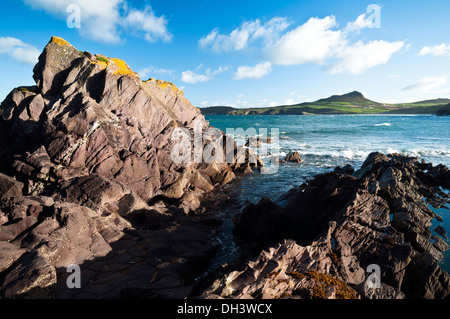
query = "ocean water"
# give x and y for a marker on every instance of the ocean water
(324, 142)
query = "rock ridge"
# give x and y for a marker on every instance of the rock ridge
(87, 178)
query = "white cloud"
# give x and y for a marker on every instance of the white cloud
(18, 50)
(153, 28)
(437, 50)
(314, 41)
(289, 101)
(145, 73)
(360, 56)
(104, 20)
(427, 83)
(365, 20)
(194, 77)
(256, 72)
(318, 40)
(243, 36)
(360, 23)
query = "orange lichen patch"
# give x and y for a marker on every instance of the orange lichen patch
(60, 41)
(343, 291)
(122, 68)
(165, 84)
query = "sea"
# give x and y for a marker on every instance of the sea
(324, 142)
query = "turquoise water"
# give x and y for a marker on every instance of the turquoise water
(326, 141)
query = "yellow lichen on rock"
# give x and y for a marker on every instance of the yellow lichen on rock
(343, 291)
(102, 61)
(165, 84)
(122, 68)
(60, 41)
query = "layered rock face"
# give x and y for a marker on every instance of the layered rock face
(87, 175)
(340, 227)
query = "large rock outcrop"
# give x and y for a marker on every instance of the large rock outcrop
(87, 178)
(339, 226)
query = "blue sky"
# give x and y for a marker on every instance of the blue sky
(246, 53)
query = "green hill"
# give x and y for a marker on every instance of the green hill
(349, 103)
(352, 97)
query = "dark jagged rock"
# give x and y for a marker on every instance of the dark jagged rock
(441, 231)
(347, 169)
(87, 177)
(343, 225)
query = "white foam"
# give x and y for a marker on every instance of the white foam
(383, 124)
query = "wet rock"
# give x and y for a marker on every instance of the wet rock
(441, 231)
(349, 216)
(223, 177)
(293, 157)
(347, 169)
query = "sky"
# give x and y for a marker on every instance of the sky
(246, 53)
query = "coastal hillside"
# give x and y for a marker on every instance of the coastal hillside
(349, 103)
(444, 111)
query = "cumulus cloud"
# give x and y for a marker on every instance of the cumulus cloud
(104, 20)
(314, 41)
(318, 40)
(370, 19)
(243, 36)
(18, 50)
(437, 50)
(146, 22)
(194, 77)
(256, 72)
(427, 83)
(360, 56)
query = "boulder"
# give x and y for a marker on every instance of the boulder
(10, 187)
(293, 157)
